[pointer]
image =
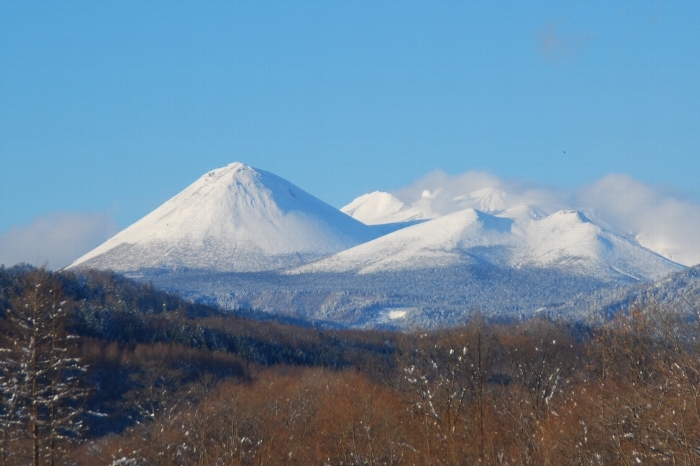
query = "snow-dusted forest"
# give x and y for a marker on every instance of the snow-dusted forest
(96, 369)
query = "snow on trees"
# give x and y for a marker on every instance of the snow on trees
(40, 381)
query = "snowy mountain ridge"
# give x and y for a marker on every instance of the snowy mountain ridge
(516, 238)
(381, 207)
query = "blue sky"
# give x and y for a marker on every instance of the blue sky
(107, 109)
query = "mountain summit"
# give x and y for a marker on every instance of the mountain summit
(235, 219)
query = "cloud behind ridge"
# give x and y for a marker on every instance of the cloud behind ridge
(659, 219)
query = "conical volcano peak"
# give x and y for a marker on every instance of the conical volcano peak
(234, 218)
(239, 187)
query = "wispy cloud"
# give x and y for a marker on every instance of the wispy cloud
(660, 219)
(55, 239)
(439, 193)
(557, 45)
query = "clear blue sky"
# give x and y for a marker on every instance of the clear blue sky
(116, 106)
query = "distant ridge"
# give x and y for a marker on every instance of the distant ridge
(235, 219)
(518, 238)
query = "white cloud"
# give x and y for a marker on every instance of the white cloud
(662, 220)
(55, 239)
(439, 193)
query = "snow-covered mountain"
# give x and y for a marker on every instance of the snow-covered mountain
(655, 218)
(242, 237)
(235, 218)
(517, 238)
(381, 208)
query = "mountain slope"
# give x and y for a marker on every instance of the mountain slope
(564, 240)
(679, 292)
(436, 243)
(381, 208)
(235, 218)
(568, 239)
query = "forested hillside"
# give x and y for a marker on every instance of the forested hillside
(96, 369)
(426, 298)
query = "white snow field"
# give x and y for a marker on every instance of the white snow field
(235, 219)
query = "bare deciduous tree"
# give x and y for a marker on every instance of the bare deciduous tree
(41, 380)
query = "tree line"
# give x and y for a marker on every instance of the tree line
(530, 392)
